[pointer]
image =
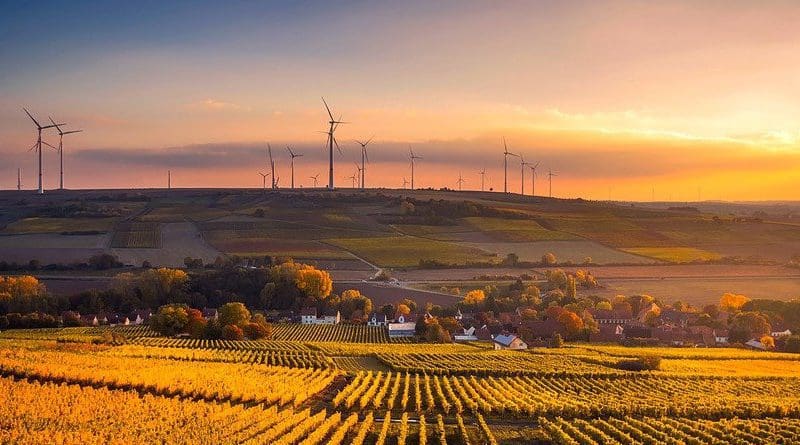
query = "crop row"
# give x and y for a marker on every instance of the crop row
(290, 358)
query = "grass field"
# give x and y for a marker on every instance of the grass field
(516, 230)
(574, 251)
(59, 225)
(406, 251)
(674, 254)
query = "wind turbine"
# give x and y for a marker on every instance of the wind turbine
(550, 177)
(291, 153)
(38, 144)
(522, 165)
(264, 179)
(460, 181)
(169, 179)
(353, 178)
(533, 178)
(405, 182)
(483, 176)
(315, 178)
(413, 157)
(19, 179)
(331, 142)
(505, 165)
(364, 158)
(272, 166)
(360, 171)
(61, 150)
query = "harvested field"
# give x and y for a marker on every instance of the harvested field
(516, 230)
(575, 251)
(178, 240)
(51, 248)
(387, 294)
(137, 235)
(674, 254)
(703, 290)
(297, 249)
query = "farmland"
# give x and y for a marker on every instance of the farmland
(361, 392)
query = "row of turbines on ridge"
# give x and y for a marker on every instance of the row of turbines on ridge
(359, 177)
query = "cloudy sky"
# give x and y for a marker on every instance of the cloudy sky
(620, 99)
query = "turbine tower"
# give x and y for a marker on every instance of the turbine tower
(483, 176)
(360, 172)
(293, 155)
(353, 179)
(61, 151)
(315, 178)
(522, 165)
(364, 158)
(263, 180)
(405, 182)
(19, 179)
(550, 177)
(533, 177)
(38, 145)
(505, 165)
(331, 142)
(460, 181)
(169, 179)
(413, 157)
(272, 166)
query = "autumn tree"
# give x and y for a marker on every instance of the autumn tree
(170, 319)
(549, 259)
(235, 314)
(767, 341)
(748, 325)
(732, 302)
(436, 333)
(474, 297)
(603, 306)
(232, 332)
(350, 302)
(571, 321)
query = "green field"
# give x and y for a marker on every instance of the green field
(674, 254)
(516, 230)
(59, 225)
(407, 251)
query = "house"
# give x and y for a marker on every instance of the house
(90, 320)
(702, 335)
(608, 333)
(403, 326)
(755, 344)
(467, 335)
(118, 320)
(483, 333)
(618, 316)
(308, 315)
(643, 314)
(780, 330)
(676, 318)
(721, 336)
(509, 341)
(541, 329)
(140, 317)
(377, 319)
(210, 313)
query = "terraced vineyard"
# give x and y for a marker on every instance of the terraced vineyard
(330, 333)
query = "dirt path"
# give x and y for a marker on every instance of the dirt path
(178, 241)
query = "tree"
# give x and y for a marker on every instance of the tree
(420, 327)
(232, 332)
(352, 301)
(170, 319)
(732, 302)
(746, 326)
(572, 288)
(557, 341)
(256, 331)
(104, 261)
(403, 309)
(511, 259)
(603, 306)
(474, 297)
(435, 333)
(529, 314)
(411, 304)
(768, 341)
(450, 324)
(314, 282)
(793, 344)
(235, 314)
(571, 321)
(388, 310)
(549, 259)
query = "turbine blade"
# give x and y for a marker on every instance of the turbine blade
(34, 120)
(33, 146)
(45, 143)
(72, 131)
(335, 142)
(327, 108)
(57, 127)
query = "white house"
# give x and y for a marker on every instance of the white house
(330, 319)
(468, 335)
(403, 326)
(377, 319)
(508, 341)
(309, 316)
(721, 336)
(783, 333)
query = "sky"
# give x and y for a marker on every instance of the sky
(623, 100)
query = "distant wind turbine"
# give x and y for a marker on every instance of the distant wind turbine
(360, 172)
(19, 179)
(364, 158)
(293, 155)
(169, 179)
(506, 153)
(272, 166)
(413, 157)
(405, 182)
(522, 165)
(315, 178)
(533, 177)
(331, 142)
(483, 176)
(61, 151)
(550, 175)
(460, 181)
(39, 143)
(353, 178)
(264, 179)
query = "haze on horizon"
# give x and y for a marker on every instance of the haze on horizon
(618, 97)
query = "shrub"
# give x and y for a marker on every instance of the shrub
(256, 331)
(232, 332)
(643, 363)
(557, 341)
